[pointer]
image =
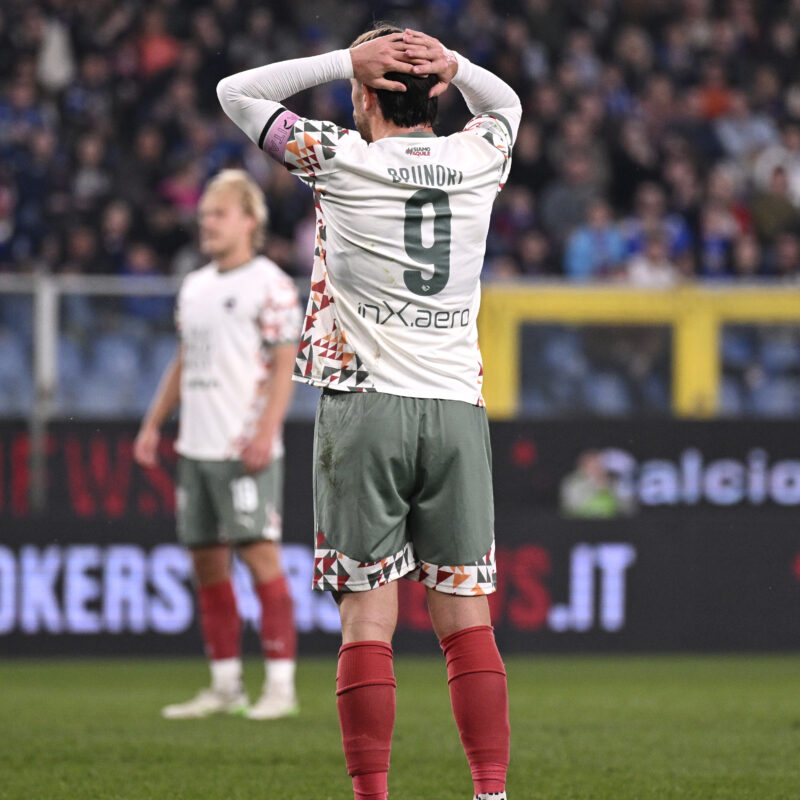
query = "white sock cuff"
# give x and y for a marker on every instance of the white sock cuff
(280, 671)
(226, 673)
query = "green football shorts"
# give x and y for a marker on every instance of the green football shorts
(402, 488)
(219, 503)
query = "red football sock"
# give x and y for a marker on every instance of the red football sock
(278, 636)
(479, 694)
(365, 699)
(219, 620)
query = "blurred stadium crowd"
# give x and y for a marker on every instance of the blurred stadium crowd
(660, 140)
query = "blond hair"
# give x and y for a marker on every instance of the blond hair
(250, 196)
(379, 29)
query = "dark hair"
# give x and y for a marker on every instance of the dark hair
(413, 106)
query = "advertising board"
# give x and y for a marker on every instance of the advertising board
(624, 536)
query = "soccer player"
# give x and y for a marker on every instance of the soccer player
(238, 319)
(402, 474)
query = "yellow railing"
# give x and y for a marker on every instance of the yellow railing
(694, 313)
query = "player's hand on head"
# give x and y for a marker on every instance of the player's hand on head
(373, 59)
(429, 56)
(145, 447)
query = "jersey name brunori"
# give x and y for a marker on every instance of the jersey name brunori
(401, 227)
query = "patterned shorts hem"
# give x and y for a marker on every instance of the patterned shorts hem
(324, 584)
(466, 581)
(336, 572)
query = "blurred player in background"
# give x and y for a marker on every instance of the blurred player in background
(402, 481)
(238, 319)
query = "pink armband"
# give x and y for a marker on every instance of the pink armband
(278, 134)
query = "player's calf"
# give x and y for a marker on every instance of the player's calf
(479, 695)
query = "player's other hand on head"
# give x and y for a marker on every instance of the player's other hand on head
(145, 446)
(257, 453)
(374, 58)
(428, 55)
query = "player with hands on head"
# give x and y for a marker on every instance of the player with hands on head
(402, 463)
(238, 319)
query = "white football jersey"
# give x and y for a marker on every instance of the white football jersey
(401, 234)
(228, 321)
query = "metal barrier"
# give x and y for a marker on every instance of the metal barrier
(694, 313)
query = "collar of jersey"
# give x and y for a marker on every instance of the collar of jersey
(413, 134)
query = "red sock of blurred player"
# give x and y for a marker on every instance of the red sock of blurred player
(278, 636)
(365, 699)
(219, 620)
(479, 694)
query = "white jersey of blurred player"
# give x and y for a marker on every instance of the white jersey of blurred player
(224, 320)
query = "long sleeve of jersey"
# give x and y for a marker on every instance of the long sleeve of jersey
(252, 98)
(485, 93)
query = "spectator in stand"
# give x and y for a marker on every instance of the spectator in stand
(652, 268)
(785, 154)
(783, 48)
(516, 214)
(566, 200)
(651, 217)
(595, 251)
(535, 255)
(742, 132)
(138, 176)
(82, 253)
(21, 116)
(91, 183)
(715, 93)
(158, 49)
(786, 256)
(112, 99)
(685, 190)
(183, 189)
(89, 101)
(576, 135)
(747, 258)
(532, 168)
(7, 223)
(773, 211)
(718, 232)
(142, 262)
(727, 187)
(116, 231)
(635, 161)
(634, 53)
(691, 125)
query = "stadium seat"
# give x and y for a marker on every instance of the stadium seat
(738, 347)
(99, 397)
(71, 369)
(780, 351)
(161, 349)
(16, 378)
(655, 393)
(16, 314)
(562, 351)
(116, 358)
(534, 403)
(777, 397)
(731, 402)
(607, 395)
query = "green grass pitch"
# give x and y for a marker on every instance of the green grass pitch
(583, 728)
